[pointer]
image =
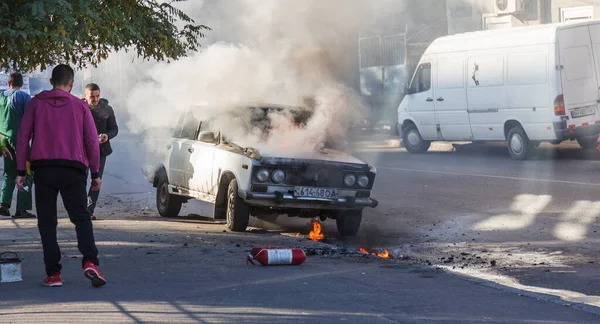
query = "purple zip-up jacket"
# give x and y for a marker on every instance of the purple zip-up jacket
(63, 132)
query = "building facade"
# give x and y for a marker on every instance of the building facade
(471, 15)
(391, 40)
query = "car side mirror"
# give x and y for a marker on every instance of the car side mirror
(207, 137)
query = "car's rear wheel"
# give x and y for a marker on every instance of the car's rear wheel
(168, 205)
(348, 222)
(588, 142)
(238, 213)
(519, 145)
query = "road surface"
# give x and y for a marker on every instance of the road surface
(475, 237)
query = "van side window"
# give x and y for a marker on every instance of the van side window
(422, 79)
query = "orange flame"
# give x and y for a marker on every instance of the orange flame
(297, 234)
(384, 255)
(316, 234)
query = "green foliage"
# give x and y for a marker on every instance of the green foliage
(38, 33)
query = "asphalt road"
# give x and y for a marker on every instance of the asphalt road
(466, 208)
(475, 237)
(461, 208)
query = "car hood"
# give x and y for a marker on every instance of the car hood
(323, 155)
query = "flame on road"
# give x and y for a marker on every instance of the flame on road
(384, 255)
(316, 234)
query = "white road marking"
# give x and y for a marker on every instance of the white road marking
(489, 176)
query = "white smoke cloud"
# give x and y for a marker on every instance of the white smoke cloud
(278, 52)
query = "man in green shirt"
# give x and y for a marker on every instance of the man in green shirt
(13, 103)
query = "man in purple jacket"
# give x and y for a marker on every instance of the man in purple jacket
(64, 146)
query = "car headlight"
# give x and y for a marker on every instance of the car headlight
(262, 175)
(278, 176)
(349, 180)
(363, 181)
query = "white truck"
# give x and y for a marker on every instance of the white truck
(521, 85)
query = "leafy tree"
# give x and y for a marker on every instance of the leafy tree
(34, 34)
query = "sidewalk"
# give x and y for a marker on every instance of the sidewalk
(191, 271)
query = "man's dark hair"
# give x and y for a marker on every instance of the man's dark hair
(15, 79)
(92, 87)
(62, 74)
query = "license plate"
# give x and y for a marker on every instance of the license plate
(309, 192)
(580, 112)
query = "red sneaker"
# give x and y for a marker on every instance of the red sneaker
(54, 280)
(91, 272)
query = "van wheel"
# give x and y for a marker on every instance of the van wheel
(238, 213)
(519, 145)
(588, 142)
(412, 140)
(168, 205)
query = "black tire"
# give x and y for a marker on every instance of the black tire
(519, 145)
(168, 205)
(588, 142)
(412, 140)
(348, 222)
(238, 213)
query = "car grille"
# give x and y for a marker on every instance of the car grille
(316, 176)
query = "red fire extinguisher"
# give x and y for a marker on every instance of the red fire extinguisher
(276, 256)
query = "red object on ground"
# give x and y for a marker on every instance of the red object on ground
(598, 141)
(275, 256)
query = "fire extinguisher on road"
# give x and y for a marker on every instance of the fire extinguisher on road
(275, 256)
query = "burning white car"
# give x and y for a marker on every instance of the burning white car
(205, 162)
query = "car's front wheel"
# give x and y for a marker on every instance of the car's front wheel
(168, 205)
(348, 222)
(238, 213)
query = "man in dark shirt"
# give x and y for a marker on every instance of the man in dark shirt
(106, 124)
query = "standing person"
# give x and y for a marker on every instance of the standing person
(106, 125)
(13, 103)
(64, 146)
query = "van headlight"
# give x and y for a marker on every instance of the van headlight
(363, 181)
(278, 176)
(262, 175)
(349, 180)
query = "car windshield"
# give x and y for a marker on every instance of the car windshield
(266, 119)
(250, 125)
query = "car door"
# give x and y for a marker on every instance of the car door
(202, 160)
(176, 155)
(578, 74)
(422, 106)
(451, 97)
(185, 147)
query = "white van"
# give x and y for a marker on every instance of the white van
(524, 85)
